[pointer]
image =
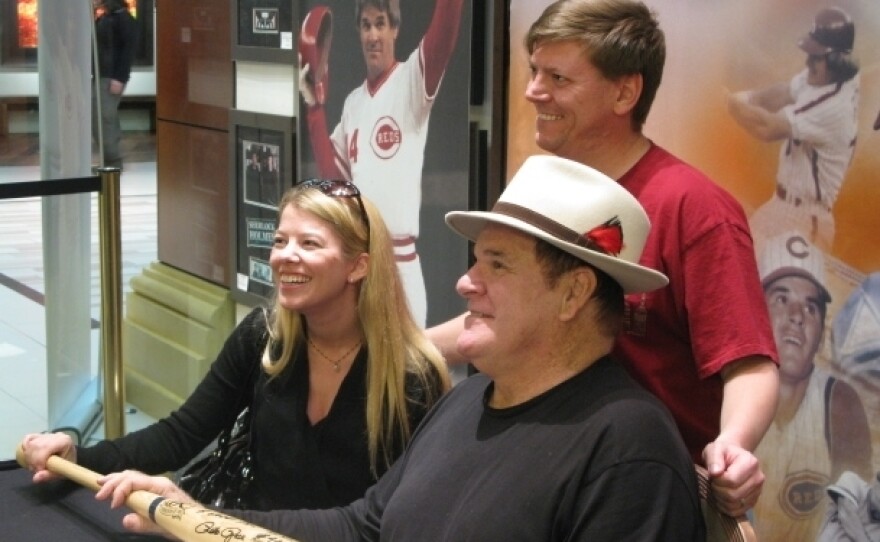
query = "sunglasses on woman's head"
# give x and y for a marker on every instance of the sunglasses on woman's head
(338, 188)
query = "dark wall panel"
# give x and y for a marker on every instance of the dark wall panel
(194, 74)
(193, 199)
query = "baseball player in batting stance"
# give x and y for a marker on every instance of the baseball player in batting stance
(380, 140)
(816, 114)
(821, 428)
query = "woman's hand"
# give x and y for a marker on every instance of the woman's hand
(37, 448)
(119, 485)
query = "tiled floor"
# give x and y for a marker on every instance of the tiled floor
(23, 386)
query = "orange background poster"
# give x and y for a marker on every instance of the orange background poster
(717, 48)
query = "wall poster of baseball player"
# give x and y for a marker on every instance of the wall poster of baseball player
(777, 102)
(384, 101)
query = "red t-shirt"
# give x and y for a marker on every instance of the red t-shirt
(678, 338)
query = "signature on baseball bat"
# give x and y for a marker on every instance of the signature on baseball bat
(190, 522)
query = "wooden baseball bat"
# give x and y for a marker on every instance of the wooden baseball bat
(190, 522)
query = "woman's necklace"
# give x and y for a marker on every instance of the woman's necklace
(335, 363)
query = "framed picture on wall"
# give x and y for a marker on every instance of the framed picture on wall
(261, 165)
(18, 32)
(264, 30)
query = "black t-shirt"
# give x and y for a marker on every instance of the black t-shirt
(595, 458)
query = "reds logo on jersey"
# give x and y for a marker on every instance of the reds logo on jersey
(386, 138)
(802, 493)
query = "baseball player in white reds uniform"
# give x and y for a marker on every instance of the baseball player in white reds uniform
(820, 428)
(380, 140)
(816, 114)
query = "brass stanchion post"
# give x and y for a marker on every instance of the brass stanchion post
(111, 302)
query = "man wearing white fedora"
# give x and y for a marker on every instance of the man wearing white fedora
(551, 440)
(703, 345)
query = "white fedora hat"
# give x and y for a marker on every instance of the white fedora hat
(577, 209)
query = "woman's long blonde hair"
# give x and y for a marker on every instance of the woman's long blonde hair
(396, 345)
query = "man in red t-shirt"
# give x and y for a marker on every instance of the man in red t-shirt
(703, 344)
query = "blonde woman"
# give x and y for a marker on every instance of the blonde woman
(336, 372)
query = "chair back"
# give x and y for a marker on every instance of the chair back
(719, 526)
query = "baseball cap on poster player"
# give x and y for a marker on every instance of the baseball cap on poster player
(576, 209)
(790, 254)
(833, 31)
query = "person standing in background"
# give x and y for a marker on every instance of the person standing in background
(116, 35)
(816, 116)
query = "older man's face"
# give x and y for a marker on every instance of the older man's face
(508, 300)
(795, 305)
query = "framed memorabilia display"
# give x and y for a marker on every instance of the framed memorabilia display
(18, 32)
(264, 30)
(262, 167)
